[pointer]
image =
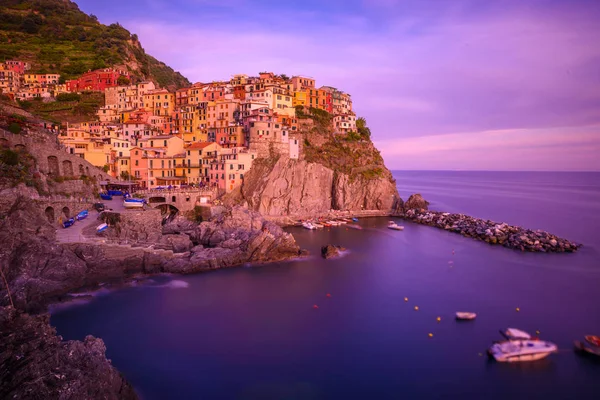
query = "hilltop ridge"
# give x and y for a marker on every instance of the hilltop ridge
(55, 36)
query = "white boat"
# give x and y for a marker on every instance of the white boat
(317, 225)
(393, 225)
(101, 228)
(519, 347)
(333, 223)
(465, 316)
(308, 225)
(341, 221)
(133, 204)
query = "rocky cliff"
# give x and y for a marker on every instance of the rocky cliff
(37, 364)
(333, 172)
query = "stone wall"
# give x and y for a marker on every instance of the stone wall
(134, 226)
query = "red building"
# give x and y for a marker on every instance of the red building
(97, 80)
(17, 66)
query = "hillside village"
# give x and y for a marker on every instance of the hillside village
(207, 134)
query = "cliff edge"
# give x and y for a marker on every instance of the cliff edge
(332, 172)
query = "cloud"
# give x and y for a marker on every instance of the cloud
(414, 69)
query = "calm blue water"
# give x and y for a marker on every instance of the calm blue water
(252, 333)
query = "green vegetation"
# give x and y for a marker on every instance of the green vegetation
(56, 37)
(14, 128)
(68, 97)
(363, 130)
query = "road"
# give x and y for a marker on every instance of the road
(73, 234)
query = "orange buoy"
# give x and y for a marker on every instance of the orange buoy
(328, 294)
(438, 319)
(315, 306)
(431, 335)
(518, 309)
(406, 299)
(416, 308)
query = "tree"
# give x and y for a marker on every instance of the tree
(123, 80)
(106, 168)
(29, 26)
(363, 130)
(125, 176)
(284, 77)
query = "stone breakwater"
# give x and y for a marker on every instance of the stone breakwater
(514, 237)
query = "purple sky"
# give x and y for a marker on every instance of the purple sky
(465, 84)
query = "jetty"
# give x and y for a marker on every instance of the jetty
(497, 233)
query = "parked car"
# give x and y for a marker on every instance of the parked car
(99, 207)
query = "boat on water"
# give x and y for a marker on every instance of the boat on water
(354, 219)
(354, 226)
(586, 347)
(593, 340)
(101, 228)
(82, 215)
(342, 221)
(68, 223)
(333, 223)
(133, 203)
(326, 224)
(395, 226)
(105, 196)
(519, 346)
(308, 225)
(465, 316)
(318, 225)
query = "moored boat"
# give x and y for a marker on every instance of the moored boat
(519, 347)
(393, 225)
(333, 223)
(68, 223)
(133, 204)
(101, 228)
(82, 215)
(586, 348)
(354, 226)
(308, 225)
(593, 340)
(465, 316)
(105, 196)
(354, 219)
(318, 225)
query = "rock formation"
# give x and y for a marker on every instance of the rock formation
(416, 202)
(331, 250)
(36, 364)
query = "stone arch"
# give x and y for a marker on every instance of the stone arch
(67, 167)
(167, 210)
(66, 212)
(81, 170)
(49, 211)
(157, 199)
(53, 166)
(4, 142)
(20, 147)
(173, 199)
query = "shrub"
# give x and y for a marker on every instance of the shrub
(9, 157)
(14, 128)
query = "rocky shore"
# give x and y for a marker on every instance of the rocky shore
(514, 237)
(34, 362)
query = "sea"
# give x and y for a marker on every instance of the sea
(377, 322)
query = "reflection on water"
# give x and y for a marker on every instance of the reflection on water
(253, 332)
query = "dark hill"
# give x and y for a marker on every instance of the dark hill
(55, 36)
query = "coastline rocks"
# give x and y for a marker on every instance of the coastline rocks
(330, 251)
(36, 364)
(416, 202)
(514, 237)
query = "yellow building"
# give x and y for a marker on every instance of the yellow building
(299, 99)
(159, 102)
(197, 157)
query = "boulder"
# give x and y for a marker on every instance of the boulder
(330, 251)
(416, 202)
(178, 243)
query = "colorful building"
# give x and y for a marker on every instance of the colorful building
(97, 80)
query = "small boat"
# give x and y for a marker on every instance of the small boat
(101, 228)
(465, 316)
(593, 340)
(115, 193)
(133, 204)
(326, 224)
(342, 221)
(308, 225)
(105, 196)
(333, 223)
(393, 225)
(586, 348)
(68, 223)
(317, 225)
(132, 200)
(354, 226)
(354, 219)
(82, 215)
(519, 346)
